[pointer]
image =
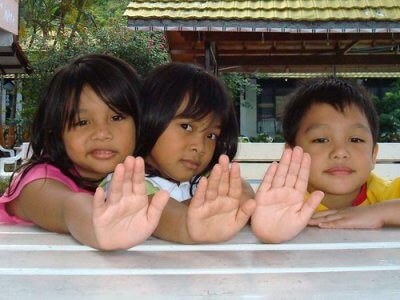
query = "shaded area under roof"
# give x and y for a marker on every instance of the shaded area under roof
(277, 36)
(12, 58)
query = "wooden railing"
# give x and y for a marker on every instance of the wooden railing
(254, 159)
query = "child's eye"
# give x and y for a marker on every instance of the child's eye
(80, 123)
(212, 136)
(356, 140)
(320, 140)
(118, 117)
(187, 127)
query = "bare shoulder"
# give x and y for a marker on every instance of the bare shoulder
(42, 202)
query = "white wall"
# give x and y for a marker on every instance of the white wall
(248, 111)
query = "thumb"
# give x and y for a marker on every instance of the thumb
(245, 211)
(311, 204)
(157, 205)
(99, 199)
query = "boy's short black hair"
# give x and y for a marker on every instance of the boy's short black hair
(337, 92)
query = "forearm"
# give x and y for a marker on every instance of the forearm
(53, 207)
(77, 215)
(390, 212)
(173, 223)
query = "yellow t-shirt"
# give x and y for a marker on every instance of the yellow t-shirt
(378, 190)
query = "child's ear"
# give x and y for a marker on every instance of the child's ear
(374, 155)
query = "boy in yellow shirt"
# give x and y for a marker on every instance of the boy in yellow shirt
(337, 124)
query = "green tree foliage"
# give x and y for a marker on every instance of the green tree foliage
(54, 31)
(237, 83)
(389, 114)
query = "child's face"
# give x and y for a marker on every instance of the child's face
(341, 149)
(100, 137)
(185, 148)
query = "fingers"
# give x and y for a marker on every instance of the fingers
(337, 224)
(342, 220)
(138, 179)
(266, 183)
(129, 166)
(294, 167)
(235, 182)
(98, 199)
(116, 185)
(224, 181)
(214, 181)
(199, 196)
(303, 174)
(223, 187)
(323, 216)
(282, 170)
(294, 164)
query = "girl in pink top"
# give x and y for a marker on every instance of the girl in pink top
(85, 128)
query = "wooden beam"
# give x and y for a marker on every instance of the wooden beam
(348, 47)
(271, 36)
(253, 52)
(225, 61)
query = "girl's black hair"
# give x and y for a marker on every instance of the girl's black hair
(337, 92)
(164, 90)
(112, 79)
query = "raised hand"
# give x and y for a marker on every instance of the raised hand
(215, 213)
(126, 218)
(281, 211)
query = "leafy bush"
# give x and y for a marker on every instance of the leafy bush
(143, 50)
(261, 138)
(3, 184)
(389, 115)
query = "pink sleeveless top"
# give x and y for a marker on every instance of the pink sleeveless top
(41, 171)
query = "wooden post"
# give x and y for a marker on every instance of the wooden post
(10, 140)
(207, 56)
(2, 135)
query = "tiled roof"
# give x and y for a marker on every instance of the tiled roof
(277, 35)
(278, 10)
(339, 74)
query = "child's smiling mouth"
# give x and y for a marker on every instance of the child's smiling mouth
(190, 164)
(102, 153)
(341, 170)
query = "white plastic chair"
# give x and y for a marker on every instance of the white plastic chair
(24, 154)
(9, 151)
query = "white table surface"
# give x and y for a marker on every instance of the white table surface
(318, 264)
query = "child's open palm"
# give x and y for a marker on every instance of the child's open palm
(126, 218)
(281, 212)
(215, 213)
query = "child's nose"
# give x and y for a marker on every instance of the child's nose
(102, 132)
(197, 144)
(340, 151)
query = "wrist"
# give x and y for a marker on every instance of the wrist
(185, 232)
(389, 212)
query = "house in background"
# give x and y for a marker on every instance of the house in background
(266, 107)
(283, 40)
(13, 62)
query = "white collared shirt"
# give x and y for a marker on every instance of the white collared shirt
(180, 192)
